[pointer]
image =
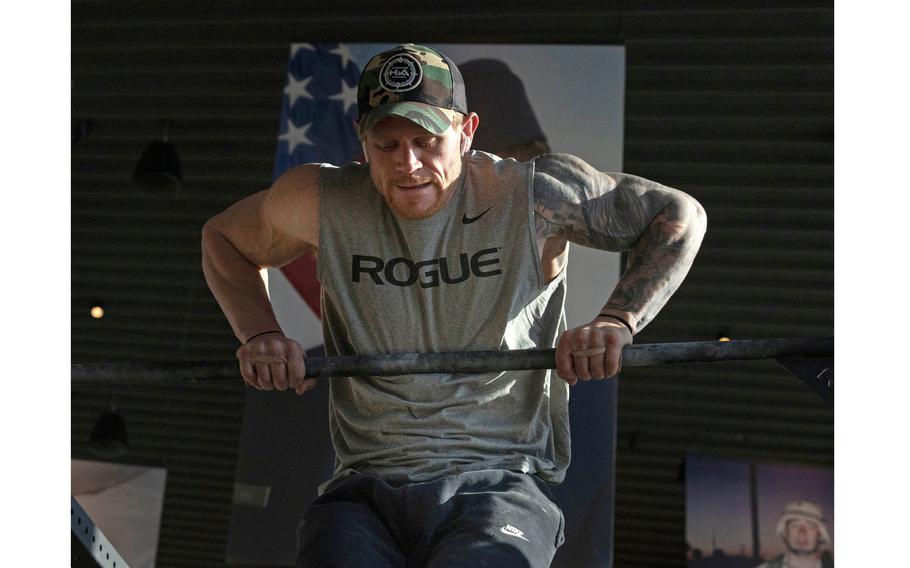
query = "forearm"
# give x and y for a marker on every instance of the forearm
(658, 262)
(237, 286)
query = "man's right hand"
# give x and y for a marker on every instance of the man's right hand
(267, 229)
(273, 361)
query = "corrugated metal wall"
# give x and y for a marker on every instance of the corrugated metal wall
(736, 108)
(731, 104)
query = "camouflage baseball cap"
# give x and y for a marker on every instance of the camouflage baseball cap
(414, 82)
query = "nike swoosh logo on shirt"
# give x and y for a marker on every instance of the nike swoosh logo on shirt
(468, 220)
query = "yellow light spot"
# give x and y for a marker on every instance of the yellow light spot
(97, 312)
(723, 339)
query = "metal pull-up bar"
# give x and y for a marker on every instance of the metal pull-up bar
(463, 362)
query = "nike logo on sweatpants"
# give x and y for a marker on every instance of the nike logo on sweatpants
(513, 531)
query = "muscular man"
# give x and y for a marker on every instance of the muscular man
(429, 246)
(804, 532)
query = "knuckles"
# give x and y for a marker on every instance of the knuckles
(592, 335)
(269, 376)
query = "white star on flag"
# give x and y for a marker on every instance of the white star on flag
(297, 136)
(343, 52)
(297, 89)
(348, 96)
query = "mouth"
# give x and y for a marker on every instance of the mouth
(413, 186)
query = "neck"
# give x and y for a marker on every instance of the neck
(794, 561)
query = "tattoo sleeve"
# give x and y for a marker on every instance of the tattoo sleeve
(662, 228)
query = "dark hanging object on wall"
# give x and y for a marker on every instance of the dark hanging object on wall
(108, 439)
(159, 169)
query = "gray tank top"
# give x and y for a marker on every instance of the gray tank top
(467, 278)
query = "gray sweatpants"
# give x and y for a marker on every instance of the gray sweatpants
(494, 518)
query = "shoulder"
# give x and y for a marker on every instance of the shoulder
(492, 178)
(301, 185)
(568, 178)
(562, 166)
(298, 176)
(480, 163)
(309, 177)
(570, 175)
(296, 183)
(292, 203)
(352, 174)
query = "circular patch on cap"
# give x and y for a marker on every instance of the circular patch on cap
(400, 73)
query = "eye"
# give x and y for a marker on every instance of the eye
(425, 142)
(386, 146)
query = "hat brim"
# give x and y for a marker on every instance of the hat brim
(431, 118)
(823, 535)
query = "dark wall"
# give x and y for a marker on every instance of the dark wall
(732, 104)
(736, 108)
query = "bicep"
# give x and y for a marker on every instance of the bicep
(273, 227)
(608, 211)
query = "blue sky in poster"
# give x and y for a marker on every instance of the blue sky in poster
(717, 505)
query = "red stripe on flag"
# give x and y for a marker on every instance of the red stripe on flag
(301, 273)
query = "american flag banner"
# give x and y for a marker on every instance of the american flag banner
(318, 109)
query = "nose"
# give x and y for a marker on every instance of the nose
(406, 159)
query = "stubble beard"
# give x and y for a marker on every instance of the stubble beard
(403, 209)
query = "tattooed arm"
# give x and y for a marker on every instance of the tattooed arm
(662, 228)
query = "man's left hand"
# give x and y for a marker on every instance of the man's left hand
(591, 351)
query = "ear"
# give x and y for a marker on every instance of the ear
(363, 141)
(468, 127)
